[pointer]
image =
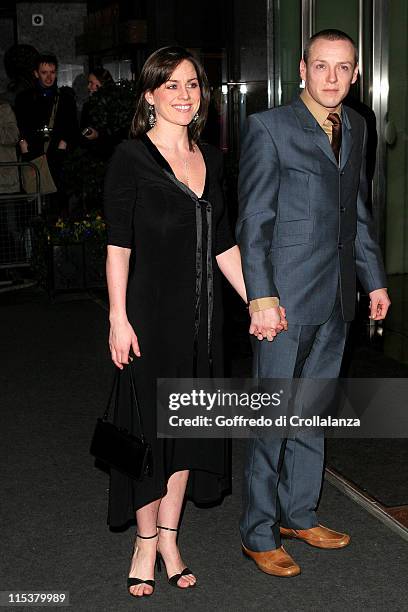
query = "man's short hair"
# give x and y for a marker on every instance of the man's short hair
(329, 35)
(46, 58)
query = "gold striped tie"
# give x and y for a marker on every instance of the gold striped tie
(336, 134)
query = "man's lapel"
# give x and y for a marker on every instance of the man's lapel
(346, 139)
(311, 126)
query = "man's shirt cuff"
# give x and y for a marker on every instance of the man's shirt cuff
(263, 303)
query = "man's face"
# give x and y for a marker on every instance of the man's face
(329, 72)
(46, 74)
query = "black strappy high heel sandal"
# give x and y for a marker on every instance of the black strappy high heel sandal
(173, 579)
(136, 581)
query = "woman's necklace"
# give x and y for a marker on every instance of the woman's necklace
(186, 172)
(185, 160)
(187, 167)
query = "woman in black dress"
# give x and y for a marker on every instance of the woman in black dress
(168, 240)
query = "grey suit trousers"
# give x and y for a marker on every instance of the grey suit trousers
(283, 477)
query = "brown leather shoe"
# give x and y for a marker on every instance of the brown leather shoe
(319, 536)
(275, 562)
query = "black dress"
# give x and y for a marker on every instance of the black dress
(174, 304)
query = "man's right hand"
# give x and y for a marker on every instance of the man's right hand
(268, 323)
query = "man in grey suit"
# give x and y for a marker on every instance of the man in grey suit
(304, 233)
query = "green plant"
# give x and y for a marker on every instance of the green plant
(84, 175)
(112, 108)
(89, 231)
(91, 227)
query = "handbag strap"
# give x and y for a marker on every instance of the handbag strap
(52, 120)
(133, 395)
(135, 400)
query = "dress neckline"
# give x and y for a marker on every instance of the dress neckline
(164, 164)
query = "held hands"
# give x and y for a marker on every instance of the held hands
(379, 304)
(268, 323)
(122, 338)
(271, 321)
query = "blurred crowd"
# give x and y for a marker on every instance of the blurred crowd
(41, 123)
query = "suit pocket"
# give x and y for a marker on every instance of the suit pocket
(290, 254)
(289, 233)
(293, 197)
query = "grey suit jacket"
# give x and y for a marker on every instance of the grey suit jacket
(303, 226)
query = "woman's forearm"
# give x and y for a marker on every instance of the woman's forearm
(117, 271)
(230, 265)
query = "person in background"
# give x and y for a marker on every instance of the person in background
(97, 142)
(11, 244)
(35, 108)
(9, 178)
(19, 61)
(96, 79)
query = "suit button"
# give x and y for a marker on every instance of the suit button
(342, 173)
(342, 209)
(340, 246)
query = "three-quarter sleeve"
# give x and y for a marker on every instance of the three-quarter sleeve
(119, 197)
(224, 238)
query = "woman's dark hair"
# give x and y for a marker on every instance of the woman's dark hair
(157, 70)
(102, 74)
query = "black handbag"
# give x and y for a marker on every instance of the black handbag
(116, 446)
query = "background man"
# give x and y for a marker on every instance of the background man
(34, 109)
(304, 232)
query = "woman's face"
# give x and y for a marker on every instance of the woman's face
(177, 100)
(93, 83)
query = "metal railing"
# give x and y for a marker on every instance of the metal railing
(17, 212)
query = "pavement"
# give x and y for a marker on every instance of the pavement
(54, 379)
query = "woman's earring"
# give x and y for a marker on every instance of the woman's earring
(152, 116)
(195, 118)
